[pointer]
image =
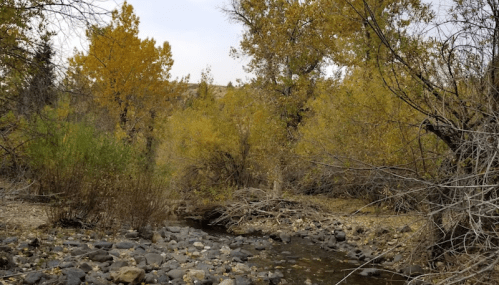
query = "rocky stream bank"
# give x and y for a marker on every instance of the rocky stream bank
(181, 254)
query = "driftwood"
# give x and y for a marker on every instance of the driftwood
(254, 203)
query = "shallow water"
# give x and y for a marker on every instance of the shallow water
(302, 262)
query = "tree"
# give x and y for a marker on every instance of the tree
(41, 84)
(288, 42)
(128, 76)
(450, 77)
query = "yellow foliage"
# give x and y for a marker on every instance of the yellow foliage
(230, 142)
(360, 120)
(128, 76)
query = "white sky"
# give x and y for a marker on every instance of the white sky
(200, 35)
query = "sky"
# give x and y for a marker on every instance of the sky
(199, 34)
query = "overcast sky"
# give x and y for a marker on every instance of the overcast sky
(199, 33)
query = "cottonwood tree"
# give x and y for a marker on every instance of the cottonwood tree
(288, 43)
(128, 76)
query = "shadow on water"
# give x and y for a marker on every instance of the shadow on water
(303, 262)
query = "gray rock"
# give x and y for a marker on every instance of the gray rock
(154, 259)
(71, 243)
(275, 278)
(10, 240)
(125, 245)
(57, 249)
(79, 251)
(74, 276)
(151, 278)
(180, 258)
(176, 274)
(285, 238)
(397, 258)
(140, 259)
(53, 263)
(117, 265)
(132, 235)
(260, 246)
(412, 270)
(66, 264)
(33, 277)
(103, 245)
(85, 267)
(173, 229)
(95, 279)
(340, 236)
(241, 280)
(101, 258)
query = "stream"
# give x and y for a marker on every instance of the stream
(303, 262)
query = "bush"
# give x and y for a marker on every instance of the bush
(92, 177)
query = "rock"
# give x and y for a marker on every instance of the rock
(101, 258)
(331, 243)
(194, 274)
(275, 278)
(285, 237)
(151, 278)
(412, 270)
(132, 235)
(71, 243)
(127, 274)
(173, 229)
(397, 258)
(74, 276)
(154, 259)
(227, 282)
(180, 258)
(260, 246)
(103, 245)
(95, 279)
(340, 236)
(125, 245)
(240, 268)
(33, 277)
(117, 265)
(241, 280)
(225, 250)
(10, 240)
(239, 254)
(176, 274)
(85, 267)
(198, 245)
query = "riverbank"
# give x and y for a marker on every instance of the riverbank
(264, 253)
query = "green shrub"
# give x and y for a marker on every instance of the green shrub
(93, 177)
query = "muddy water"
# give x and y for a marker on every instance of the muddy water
(303, 262)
